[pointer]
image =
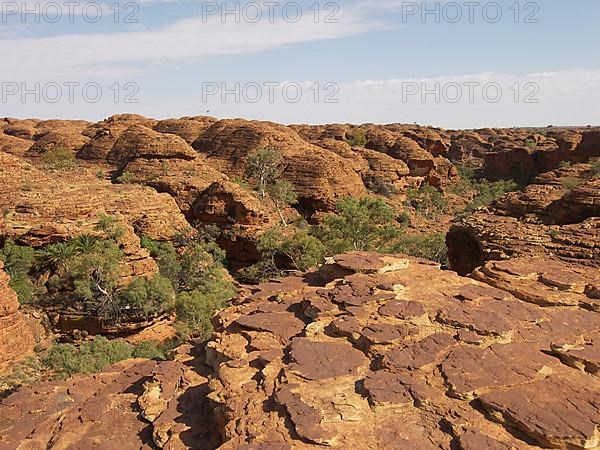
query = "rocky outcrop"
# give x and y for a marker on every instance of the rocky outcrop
(16, 339)
(371, 351)
(187, 128)
(389, 352)
(145, 404)
(58, 134)
(319, 176)
(241, 215)
(556, 215)
(103, 135)
(521, 156)
(42, 207)
(141, 142)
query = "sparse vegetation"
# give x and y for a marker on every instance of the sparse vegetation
(281, 251)
(530, 143)
(27, 186)
(194, 270)
(486, 192)
(381, 188)
(58, 159)
(428, 246)
(357, 138)
(66, 360)
(126, 178)
(242, 183)
(570, 183)
(283, 194)
(26, 372)
(358, 224)
(596, 169)
(110, 226)
(18, 261)
(263, 167)
(565, 164)
(427, 201)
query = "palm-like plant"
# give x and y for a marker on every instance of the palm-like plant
(85, 244)
(55, 256)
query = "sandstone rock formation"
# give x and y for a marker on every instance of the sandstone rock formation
(41, 207)
(558, 214)
(394, 353)
(137, 403)
(16, 339)
(370, 352)
(320, 176)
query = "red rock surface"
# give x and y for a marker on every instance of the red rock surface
(280, 374)
(475, 344)
(16, 339)
(556, 215)
(371, 351)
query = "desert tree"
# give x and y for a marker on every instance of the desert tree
(263, 166)
(283, 194)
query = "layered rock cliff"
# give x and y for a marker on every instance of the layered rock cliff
(558, 214)
(16, 339)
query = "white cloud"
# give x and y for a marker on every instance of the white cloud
(563, 98)
(185, 40)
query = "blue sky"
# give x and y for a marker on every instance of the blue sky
(371, 61)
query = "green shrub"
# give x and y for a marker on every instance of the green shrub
(358, 224)
(194, 313)
(197, 261)
(110, 226)
(67, 359)
(23, 373)
(126, 178)
(149, 297)
(97, 270)
(489, 191)
(530, 143)
(381, 188)
(565, 164)
(24, 287)
(242, 183)
(18, 262)
(55, 256)
(281, 252)
(570, 183)
(194, 267)
(17, 258)
(427, 201)
(403, 219)
(58, 159)
(357, 138)
(426, 246)
(151, 350)
(596, 169)
(486, 192)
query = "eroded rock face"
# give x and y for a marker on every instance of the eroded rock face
(43, 207)
(16, 339)
(297, 363)
(319, 175)
(556, 215)
(138, 403)
(389, 352)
